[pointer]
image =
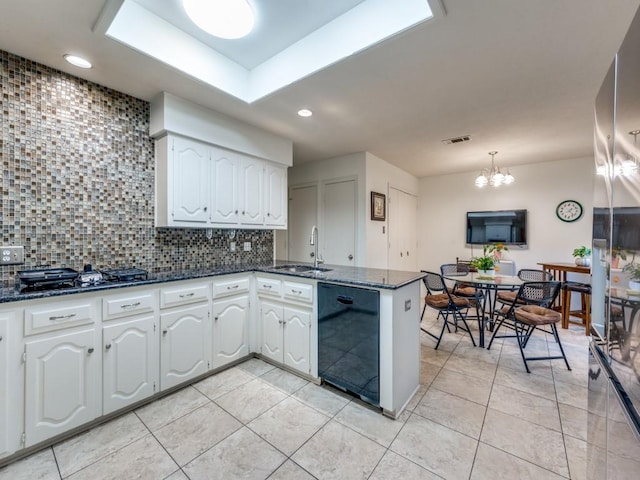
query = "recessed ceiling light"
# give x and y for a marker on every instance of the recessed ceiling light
(229, 19)
(305, 112)
(77, 61)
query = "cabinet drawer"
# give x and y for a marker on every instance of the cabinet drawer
(171, 297)
(126, 305)
(230, 287)
(269, 286)
(56, 316)
(299, 291)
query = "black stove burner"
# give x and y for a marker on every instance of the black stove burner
(125, 274)
(45, 279)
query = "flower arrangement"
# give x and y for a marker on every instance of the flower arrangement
(496, 250)
(487, 261)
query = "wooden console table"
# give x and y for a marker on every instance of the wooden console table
(559, 272)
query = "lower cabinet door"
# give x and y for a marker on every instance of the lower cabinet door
(62, 384)
(297, 335)
(130, 363)
(185, 345)
(271, 317)
(230, 329)
(4, 387)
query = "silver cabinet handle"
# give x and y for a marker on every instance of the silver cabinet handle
(312, 254)
(297, 292)
(90, 351)
(233, 288)
(164, 332)
(236, 212)
(129, 305)
(186, 295)
(216, 318)
(60, 317)
(280, 322)
(107, 346)
(407, 254)
(0, 338)
(205, 209)
(350, 257)
(267, 286)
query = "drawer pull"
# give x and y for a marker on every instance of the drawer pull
(233, 288)
(61, 317)
(164, 332)
(297, 292)
(107, 346)
(129, 305)
(267, 286)
(187, 295)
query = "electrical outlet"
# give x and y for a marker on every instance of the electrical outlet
(11, 255)
(232, 246)
(247, 246)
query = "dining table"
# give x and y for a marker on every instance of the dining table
(486, 287)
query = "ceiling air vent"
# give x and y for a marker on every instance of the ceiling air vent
(463, 138)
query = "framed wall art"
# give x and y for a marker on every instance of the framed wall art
(378, 206)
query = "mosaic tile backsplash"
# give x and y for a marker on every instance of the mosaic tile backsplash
(77, 180)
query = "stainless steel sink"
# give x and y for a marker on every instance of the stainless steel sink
(302, 269)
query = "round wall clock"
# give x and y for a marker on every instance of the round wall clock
(569, 210)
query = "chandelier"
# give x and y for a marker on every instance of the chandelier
(493, 176)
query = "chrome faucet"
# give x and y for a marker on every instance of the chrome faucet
(314, 241)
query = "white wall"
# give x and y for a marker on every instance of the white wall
(380, 175)
(444, 201)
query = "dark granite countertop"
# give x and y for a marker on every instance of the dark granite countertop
(357, 276)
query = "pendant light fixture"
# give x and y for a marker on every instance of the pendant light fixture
(493, 176)
(229, 19)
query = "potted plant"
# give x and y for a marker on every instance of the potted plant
(583, 256)
(486, 263)
(617, 254)
(634, 275)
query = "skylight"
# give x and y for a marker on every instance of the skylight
(367, 23)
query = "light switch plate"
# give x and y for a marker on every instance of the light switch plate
(11, 255)
(247, 246)
(232, 246)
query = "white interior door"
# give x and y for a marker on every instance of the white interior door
(338, 234)
(402, 210)
(303, 214)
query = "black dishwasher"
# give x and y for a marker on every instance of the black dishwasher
(348, 339)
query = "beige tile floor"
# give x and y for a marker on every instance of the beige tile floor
(477, 415)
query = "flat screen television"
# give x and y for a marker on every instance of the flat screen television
(499, 226)
(626, 226)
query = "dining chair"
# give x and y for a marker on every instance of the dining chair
(526, 275)
(530, 311)
(460, 288)
(452, 308)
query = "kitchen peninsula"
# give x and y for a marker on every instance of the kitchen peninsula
(75, 356)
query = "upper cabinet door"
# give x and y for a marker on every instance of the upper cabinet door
(252, 191)
(276, 196)
(190, 185)
(225, 184)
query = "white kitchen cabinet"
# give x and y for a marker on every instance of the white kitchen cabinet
(272, 319)
(297, 337)
(185, 344)
(190, 164)
(205, 186)
(230, 329)
(276, 195)
(130, 362)
(62, 382)
(252, 191)
(225, 194)
(4, 385)
(286, 312)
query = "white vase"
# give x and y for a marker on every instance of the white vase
(583, 261)
(633, 285)
(487, 273)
